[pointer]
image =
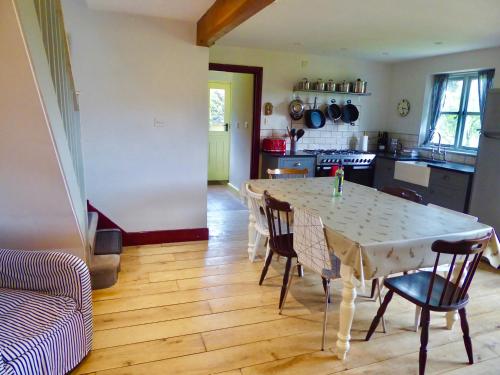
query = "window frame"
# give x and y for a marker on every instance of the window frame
(462, 113)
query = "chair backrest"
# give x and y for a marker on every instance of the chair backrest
(279, 215)
(453, 292)
(407, 194)
(255, 202)
(309, 241)
(287, 173)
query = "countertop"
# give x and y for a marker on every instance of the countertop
(456, 167)
(289, 154)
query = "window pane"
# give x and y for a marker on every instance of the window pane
(473, 104)
(217, 100)
(472, 127)
(452, 96)
(447, 127)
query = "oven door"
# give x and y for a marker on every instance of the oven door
(323, 171)
(359, 174)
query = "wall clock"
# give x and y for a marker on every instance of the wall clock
(403, 107)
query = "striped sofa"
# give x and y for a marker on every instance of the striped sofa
(45, 312)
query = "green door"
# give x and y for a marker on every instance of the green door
(219, 106)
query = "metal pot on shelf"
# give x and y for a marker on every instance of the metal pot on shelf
(304, 84)
(359, 86)
(320, 85)
(345, 86)
(331, 86)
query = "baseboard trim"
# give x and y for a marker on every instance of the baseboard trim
(164, 236)
(150, 237)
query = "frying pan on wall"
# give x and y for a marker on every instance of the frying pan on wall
(350, 113)
(333, 111)
(315, 119)
(296, 109)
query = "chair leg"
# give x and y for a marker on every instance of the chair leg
(267, 247)
(380, 313)
(325, 287)
(289, 284)
(285, 279)
(418, 311)
(300, 270)
(255, 246)
(379, 295)
(465, 330)
(374, 286)
(424, 339)
(327, 301)
(266, 266)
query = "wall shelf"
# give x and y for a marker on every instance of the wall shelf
(333, 92)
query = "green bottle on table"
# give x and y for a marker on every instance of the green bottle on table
(338, 181)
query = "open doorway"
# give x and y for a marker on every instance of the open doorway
(234, 127)
(230, 127)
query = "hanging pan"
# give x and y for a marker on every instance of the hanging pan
(315, 119)
(296, 109)
(350, 113)
(333, 111)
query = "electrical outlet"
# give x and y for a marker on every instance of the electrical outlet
(246, 124)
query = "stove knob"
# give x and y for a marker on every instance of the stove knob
(357, 160)
(323, 160)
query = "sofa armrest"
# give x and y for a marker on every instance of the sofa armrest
(48, 272)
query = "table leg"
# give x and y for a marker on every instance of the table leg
(252, 237)
(452, 316)
(346, 311)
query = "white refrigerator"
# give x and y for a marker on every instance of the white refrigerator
(485, 195)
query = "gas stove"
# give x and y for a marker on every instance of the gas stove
(346, 157)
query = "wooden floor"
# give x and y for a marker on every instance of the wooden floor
(197, 308)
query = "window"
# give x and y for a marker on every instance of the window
(459, 122)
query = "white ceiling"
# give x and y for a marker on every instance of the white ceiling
(183, 10)
(383, 30)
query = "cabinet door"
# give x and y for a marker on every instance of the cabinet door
(384, 173)
(298, 163)
(448, 189)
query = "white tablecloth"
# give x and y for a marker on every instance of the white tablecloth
(375, 233)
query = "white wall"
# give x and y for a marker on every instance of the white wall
(131, 70)
(35, 206)
(412, 80)
(282, 70)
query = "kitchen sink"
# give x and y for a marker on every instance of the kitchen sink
(415, 172)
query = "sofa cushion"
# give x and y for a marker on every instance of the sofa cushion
(29, 318)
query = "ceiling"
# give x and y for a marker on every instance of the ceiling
(382, 30)
(183, 10)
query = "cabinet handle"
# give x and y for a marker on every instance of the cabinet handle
(297, 164)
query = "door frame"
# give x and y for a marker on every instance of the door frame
(257, 73)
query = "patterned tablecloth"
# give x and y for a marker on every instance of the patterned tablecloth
(375, 233)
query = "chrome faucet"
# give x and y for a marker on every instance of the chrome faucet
(439, 151)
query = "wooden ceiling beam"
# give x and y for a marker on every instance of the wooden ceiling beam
(223, 16)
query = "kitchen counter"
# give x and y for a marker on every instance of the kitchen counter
(456, 167)
(289, 154)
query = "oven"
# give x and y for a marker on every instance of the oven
(358, 166)
(359, 174)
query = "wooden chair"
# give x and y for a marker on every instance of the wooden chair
(287, 173)
(278, 215)
(255, 204)
(432, 292)
(407, 194)
(313, 253)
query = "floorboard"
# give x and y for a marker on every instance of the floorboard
(197, 308)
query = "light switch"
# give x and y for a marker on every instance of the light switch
(158, 123)
(246, 124)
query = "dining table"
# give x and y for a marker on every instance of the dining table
(374, 234)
